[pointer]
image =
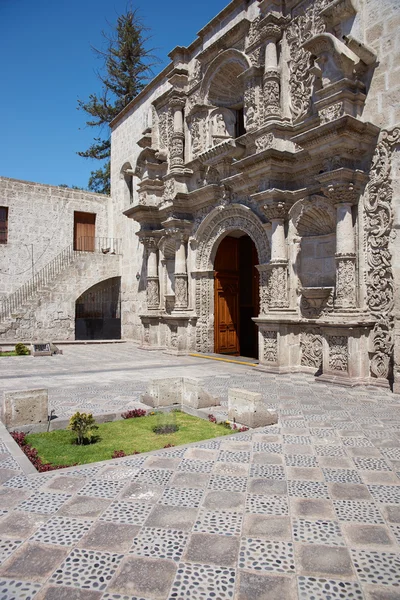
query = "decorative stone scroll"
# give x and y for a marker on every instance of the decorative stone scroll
(338, 353)
(379, 280)
(311, 348)
(302, 28)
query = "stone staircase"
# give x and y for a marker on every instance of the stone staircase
(44, 307)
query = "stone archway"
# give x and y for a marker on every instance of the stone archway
(217, 225)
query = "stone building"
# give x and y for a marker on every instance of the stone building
(260, 169)
(255, 191)
(59, 264)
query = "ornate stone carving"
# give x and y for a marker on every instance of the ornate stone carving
(169, 189)
(345, 296)
(216, 224)
(153, 293)
(204, 288)
(338, 353)
(265, 142)
(181, 291)
(264, 291)
(176, 151)
(275, 210)
(315, 302)
(317, 217)
(146, 333)
(302, 28)
(278, 287)
(379, 280)
(330, 113)
(271, 97)
(382, 344)
(342, 192)
(270, 346)
(196, 73)
(173, 336)
(311, 348)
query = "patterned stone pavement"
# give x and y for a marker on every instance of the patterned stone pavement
(307, 509)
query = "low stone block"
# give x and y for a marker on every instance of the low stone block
(194, 396)
(178, 390)
(247, 408)
(24, 408)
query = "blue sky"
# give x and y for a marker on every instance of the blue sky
(47, 64)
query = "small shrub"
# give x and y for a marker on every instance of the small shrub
(21, 350)
(243, 428)
(84, 425)
(227, 424)
(118, 454)
(212, 419)
(169, 446)
(134, 413)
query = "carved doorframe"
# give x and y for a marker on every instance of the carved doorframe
(216, 225)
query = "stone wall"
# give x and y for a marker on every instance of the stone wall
(41, 218)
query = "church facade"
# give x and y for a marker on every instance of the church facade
(255, 203)
(259, 173)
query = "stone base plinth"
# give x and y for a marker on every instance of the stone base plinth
(248, 408)
(24, 408)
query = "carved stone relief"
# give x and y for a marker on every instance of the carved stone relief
(311, 348)
(278, 286)
(338, 353)
(345, 282)
(301, 79)
(379, 280)
(181, 291)
(330, 113)
(270, 346)
(153, 293)
(265, 142)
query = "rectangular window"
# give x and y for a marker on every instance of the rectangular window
(3, 224)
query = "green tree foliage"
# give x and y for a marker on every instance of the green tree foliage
(84, 425)
(127, 65)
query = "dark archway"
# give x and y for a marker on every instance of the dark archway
(236, 296)
(98, 312)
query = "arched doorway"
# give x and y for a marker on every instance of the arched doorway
(236, 296)
(98, 312)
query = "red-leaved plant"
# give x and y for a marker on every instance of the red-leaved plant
(134, 413)
(32, 454)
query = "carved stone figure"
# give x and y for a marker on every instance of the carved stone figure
(338, 353)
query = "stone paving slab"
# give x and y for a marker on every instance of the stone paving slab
(305, 509)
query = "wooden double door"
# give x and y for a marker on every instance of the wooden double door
(236, 297)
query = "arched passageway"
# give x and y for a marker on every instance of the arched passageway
(236, 296)
(98, 312)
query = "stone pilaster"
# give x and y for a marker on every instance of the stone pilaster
(278, 278)
(152, 281)
(180, 274)
(344, 196)
(271, 78)
(178, 136)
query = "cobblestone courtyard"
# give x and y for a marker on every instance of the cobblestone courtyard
(308, 508)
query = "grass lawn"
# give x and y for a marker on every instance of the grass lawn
(10, 353)
(58, 447)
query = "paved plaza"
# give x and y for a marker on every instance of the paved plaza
(306, 509)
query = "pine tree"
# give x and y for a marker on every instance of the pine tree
(127, 66)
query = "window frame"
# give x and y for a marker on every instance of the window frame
(4, 225)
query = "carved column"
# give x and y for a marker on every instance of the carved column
(181, 277)
(253, 97)
(152, 281)
(178, 135)
(344, 196)
(278, 279)
(271, 78)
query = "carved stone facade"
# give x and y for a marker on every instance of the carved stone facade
(267, 128)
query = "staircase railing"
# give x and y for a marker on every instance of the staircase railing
(60, 262)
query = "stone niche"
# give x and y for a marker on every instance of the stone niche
(24, 408)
